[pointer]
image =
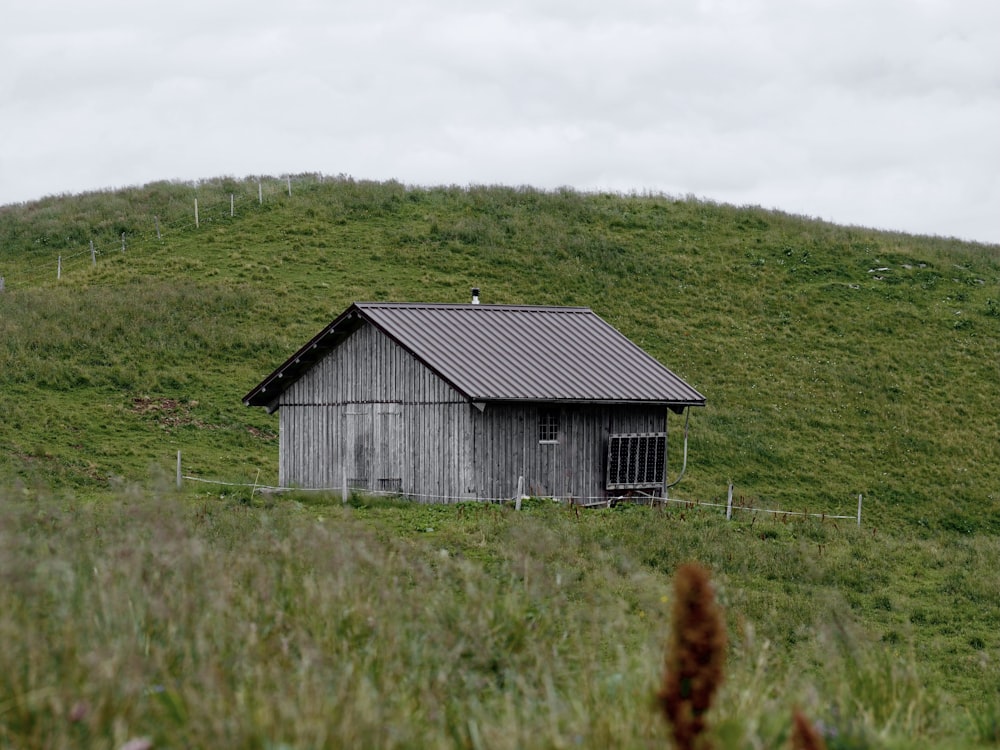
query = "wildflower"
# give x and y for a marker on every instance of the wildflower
(695, 658)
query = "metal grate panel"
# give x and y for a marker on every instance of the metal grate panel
(636, 460)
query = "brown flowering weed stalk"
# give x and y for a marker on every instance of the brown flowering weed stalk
(695, 659)
(804, 734)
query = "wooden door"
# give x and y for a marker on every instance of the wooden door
(357, 447)
(388, 448)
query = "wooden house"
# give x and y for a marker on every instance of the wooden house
(449, 402)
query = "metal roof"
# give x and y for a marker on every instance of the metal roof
(503, 353)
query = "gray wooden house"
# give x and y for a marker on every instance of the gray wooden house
(447, 402)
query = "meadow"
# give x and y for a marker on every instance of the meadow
(836, 361)
(304, 622)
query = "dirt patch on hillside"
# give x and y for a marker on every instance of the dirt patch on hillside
(171, 413)
(168, 412)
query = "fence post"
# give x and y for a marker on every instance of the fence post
(179, 470)
(157, 220)
(260, 193)
(729, 503)
(289, 185)
(123, 243)
(1, 284)
(196, 213)
(93, 254)
(859, 511)
(232, 205)
(59, 268)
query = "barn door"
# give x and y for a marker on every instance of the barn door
(356, 449)
(372, 447)
(388, 444)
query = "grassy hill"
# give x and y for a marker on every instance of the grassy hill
(836, 361)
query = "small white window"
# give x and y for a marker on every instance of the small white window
(548, 426)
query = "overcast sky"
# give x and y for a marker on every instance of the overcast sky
(880, 113)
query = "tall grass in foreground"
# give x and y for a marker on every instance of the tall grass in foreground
(222, 626)
(879, 699)
(211, 623)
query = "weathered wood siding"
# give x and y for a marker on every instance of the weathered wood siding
(370, 409)
(507, 447)
(373, 413)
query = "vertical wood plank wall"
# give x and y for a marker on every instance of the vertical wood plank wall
(370, 409)
(508, 447)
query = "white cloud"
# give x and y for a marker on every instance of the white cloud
(881, 113)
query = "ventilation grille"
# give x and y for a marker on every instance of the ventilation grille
(636, 460)
(390, 484)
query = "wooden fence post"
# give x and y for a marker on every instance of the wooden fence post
(859, 511)
(260, 193)
(1, 284)
(289, 186)
(196, 213)
(123, 243)
(157, 220)
(729, 503)
(254, 490)
(179, 470)
(93, 254)
(59, 268)
(232, 205)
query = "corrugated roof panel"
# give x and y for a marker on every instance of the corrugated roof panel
(512, 352)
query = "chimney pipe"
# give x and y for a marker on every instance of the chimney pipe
(475, 295)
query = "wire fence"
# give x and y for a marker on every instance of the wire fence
(147, 232)
(731, 508)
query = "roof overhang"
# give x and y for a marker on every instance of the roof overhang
(676, 406)
(267, 392)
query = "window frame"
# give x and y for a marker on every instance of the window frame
(548, 427)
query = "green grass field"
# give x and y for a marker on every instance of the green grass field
(836, 361)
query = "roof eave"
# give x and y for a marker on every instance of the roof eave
(267, 392)
(672, 403)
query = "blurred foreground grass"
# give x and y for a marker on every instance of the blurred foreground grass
(201, 621)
